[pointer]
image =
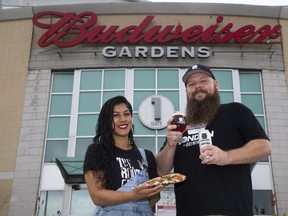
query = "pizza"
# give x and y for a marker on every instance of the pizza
(170, 178)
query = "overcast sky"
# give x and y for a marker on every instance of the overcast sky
(251, 2)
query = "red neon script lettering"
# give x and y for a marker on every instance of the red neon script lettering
(71, 29)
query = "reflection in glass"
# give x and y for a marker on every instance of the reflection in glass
(49, 203)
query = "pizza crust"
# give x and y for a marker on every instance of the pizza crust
(170, 178)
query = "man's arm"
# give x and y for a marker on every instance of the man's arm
(251, 152)
(165, 159)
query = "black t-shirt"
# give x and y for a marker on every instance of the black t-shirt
(212, 189)
(126, 165)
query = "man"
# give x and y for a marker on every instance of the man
(218, 179)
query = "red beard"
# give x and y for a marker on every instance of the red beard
(203, 111)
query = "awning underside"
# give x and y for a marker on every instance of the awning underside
(71, 169)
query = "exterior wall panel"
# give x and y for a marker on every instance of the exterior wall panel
(15, 47)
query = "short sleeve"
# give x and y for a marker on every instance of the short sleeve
(89, 160)
(248, 123)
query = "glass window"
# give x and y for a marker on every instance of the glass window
(114, 79)
(144, 78)
(60, 104)
(62, 82)
(139, 96)
(263, 201)
(59, 116)
(50, 203)
(225, 79)
(250, 82)
(91, 80)
(54, 149)
(254, 102)
(173, 97)
(139, 128)
(225, 85)
(87, 124)
(162, 131)
(58, 127)
(226, 97)
(109, 94)
(146, 143)
(89, 101)
(171, 82)
(81, 146)
(261, 120)
(81, 203)
(251, 96)
(149, 82)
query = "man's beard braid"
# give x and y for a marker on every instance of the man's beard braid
(204, 111)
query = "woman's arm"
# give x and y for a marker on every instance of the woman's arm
(104, 197)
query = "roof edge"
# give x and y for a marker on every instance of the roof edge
(277, 12)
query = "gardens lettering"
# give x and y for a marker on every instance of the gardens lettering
(84, 24)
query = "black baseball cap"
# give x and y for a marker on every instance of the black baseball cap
(197, 68)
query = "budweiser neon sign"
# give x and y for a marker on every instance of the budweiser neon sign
(85, 29)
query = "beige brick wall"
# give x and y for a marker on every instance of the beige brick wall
(280, 173)
(284, 24)
(15, 45)
(5, 191)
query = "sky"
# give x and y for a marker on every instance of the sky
(250, 2)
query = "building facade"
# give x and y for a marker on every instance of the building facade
(59, 64)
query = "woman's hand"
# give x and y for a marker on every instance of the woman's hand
(142, 191)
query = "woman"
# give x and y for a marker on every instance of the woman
(114, 168)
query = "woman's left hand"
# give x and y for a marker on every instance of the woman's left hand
(143, 191)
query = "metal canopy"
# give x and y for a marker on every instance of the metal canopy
(71, 169)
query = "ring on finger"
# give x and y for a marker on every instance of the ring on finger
(174, 138)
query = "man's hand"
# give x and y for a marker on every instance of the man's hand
(173, 137)
(251, 152)
(211, 154)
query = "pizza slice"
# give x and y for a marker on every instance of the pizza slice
(153, 182)
(170, 178)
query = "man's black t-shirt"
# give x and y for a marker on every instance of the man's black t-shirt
(212, 189)
(126, 165)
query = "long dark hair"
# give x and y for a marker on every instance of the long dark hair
(104, 142)
(104, 128)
